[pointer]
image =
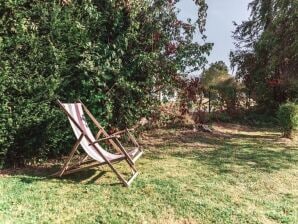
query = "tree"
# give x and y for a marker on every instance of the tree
(113, 55)
(218, 84)
(216, 73)
(266, 52)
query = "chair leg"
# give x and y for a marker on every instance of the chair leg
(120, 177)
(132, 138)
(83, 159)
(128, 183)
(127, 156)
(72, 152)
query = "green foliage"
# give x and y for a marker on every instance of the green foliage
(220, 117)
(215, 74)
(257, 119)
(266, 54)
(220, 85)
(109, 55)
(288, 118)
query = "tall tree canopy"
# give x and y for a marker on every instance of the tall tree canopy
(112, 54)
(216, 73)
(220, 85)
(266, 56)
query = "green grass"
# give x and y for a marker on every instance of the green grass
(235, 175)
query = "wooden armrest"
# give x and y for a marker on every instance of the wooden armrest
(103, 139)
(132, 138)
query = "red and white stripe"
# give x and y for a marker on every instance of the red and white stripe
(76, 111)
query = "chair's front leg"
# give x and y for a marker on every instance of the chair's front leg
(129, 159)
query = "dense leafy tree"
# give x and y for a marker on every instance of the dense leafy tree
(266, 54)
(217, 72)
(288, 118)
(113, 55)
(220, 86)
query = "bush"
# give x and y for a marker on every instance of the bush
(221, 116)
(51, 52)
(288, 118)
(258, 119)
(102, 52)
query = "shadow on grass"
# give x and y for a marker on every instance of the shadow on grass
(222, 152)
(29, 175)
(226, 152)
(189, 139)
(262, 154)
(223, 158)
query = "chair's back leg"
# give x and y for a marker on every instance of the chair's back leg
(83, 159)
(98, 133)
(132, 138)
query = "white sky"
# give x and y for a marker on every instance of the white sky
(221, 14)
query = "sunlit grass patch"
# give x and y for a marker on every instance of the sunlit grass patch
(186, 177)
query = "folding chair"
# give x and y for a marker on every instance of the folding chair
(95, 154)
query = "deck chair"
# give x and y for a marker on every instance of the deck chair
(95, 154)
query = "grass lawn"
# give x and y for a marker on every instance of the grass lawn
(234, 175)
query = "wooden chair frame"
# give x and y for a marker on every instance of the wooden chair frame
(112, 139)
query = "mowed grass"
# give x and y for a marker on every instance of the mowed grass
(234, 175)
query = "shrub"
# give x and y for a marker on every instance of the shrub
(257, 119)
(288, 118)
(98, 51)
(221, 116)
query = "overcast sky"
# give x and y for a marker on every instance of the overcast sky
(221, 14)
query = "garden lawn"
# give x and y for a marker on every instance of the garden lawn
(234, 175)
